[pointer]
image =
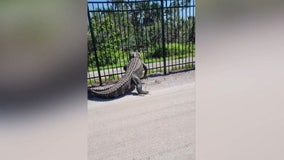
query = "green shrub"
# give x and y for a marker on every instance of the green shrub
(176, 49)
(155, 52)
(91, 60)
(171, 49)
(106, 58)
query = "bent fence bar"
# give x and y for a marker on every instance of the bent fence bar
(163, 31)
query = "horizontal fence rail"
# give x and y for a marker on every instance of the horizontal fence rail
(163, 31)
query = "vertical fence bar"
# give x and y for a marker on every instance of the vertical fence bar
(168, 31)
(124, 17)
(193, 35)
(163, 37)
(94, 46)
(189, 37)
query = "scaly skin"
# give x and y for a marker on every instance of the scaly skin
(127, 83)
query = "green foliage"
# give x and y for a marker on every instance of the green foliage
(109, 57)
(109, 38)
(155, 52)
(90, 59)
(177, 49)
(171, 49)
(104, 58)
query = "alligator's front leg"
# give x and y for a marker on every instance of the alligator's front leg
(145, 70)
(136, 80)
(125, 67)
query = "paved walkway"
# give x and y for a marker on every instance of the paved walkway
(158, 126)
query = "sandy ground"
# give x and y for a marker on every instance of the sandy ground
(157, 126)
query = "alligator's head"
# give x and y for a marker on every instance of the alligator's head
(134, 54)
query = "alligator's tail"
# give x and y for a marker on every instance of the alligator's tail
(110, 92)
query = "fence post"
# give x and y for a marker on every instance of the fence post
(94, 46)
(163, 37)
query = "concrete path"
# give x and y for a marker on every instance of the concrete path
(158, 126)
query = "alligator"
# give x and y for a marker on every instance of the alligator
(127, 83)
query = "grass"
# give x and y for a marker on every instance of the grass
(158, 70)
(182, 67)
(91, 68)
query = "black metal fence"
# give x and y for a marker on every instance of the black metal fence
(163, 31)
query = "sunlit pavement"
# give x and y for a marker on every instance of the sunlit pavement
(157, 126)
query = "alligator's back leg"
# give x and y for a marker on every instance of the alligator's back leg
(90, 94)
(136, 80)
(145, 71)
(125, 67)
